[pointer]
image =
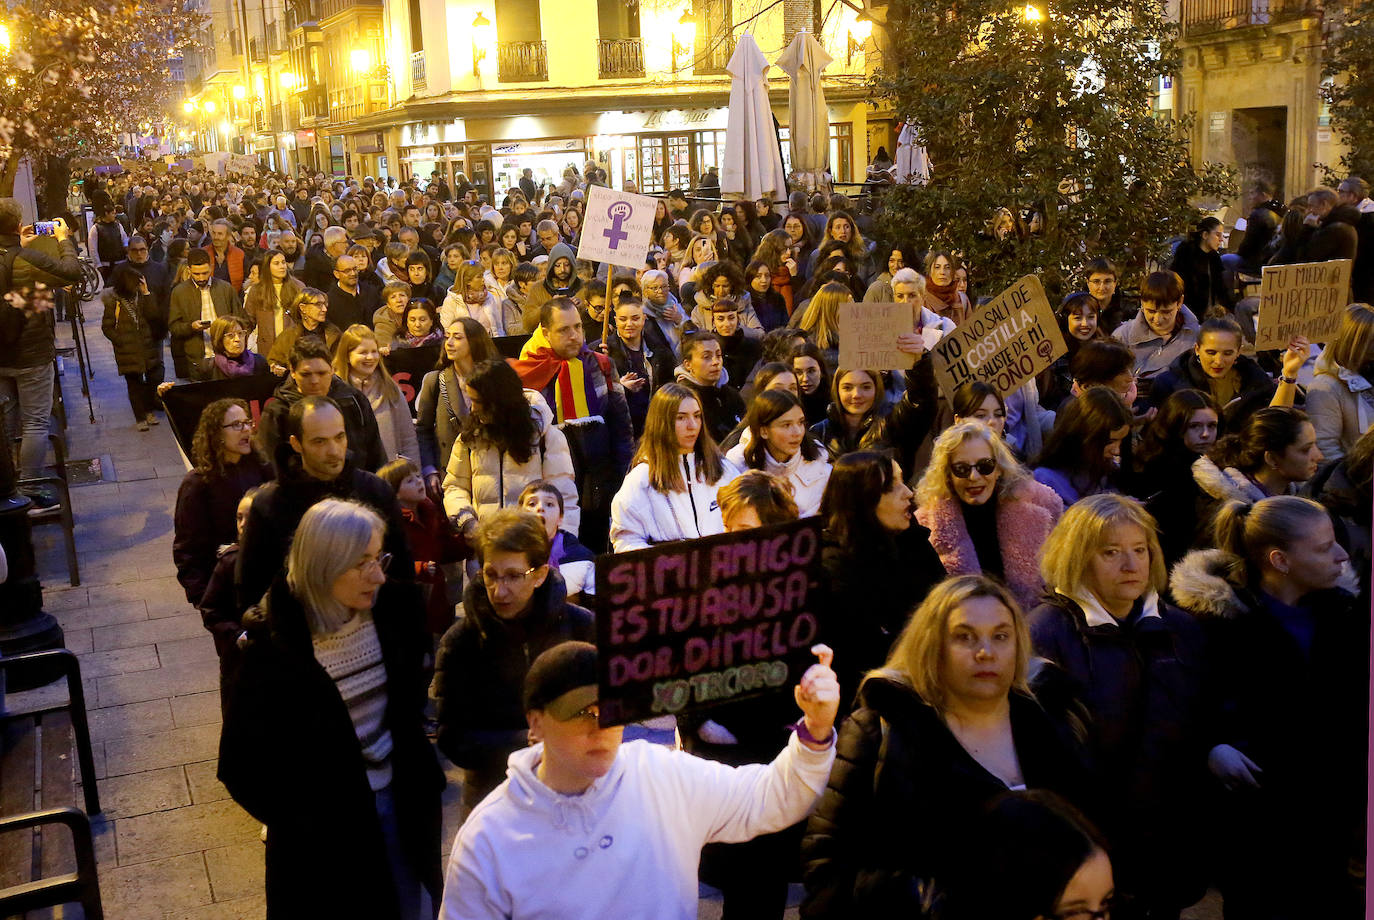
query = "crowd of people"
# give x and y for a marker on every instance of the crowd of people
(1103, 639)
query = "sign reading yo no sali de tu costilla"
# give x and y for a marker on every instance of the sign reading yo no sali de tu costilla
(694, 623)
(1005, 342)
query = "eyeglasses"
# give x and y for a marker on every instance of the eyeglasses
(380, 564)
(242, 424)
(985, 467)
(493, 580)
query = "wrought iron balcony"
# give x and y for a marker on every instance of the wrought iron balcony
(1201, 16)
(619, 57)
(714, 54)
(522, 62)
(417, 70)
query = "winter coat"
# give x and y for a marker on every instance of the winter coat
(185, 310)
(1301, 717)
(1350, 503)
(808, 477)
(1255, 389)
(364, 440)
(1340, 404)
(440, 410)
(26, 338)
(206, 368)
(234, 259)
(279, 506)
(289, 755)
(481, 477)
(1153, 352)
(1215, 487)
(900, 426)
(1025, 516)
(721, 405)
(433, 541)
(126, 325)
(492, 313)
(264, 319)
(395, 426)
(898, 766)
(1336, 238)
(1142, 687)
(642, 516)
(280, 354)
(739, 354)
(629, 846)
(205, 519)
(1204, 283)
(873, 583)
(479, 675)
(160, 285)
(1165, 485)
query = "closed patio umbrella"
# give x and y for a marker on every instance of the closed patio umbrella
(803, 60)
(752, 165)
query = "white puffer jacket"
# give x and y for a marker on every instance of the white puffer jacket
(808, 477)
(488, 313)
(481, 479)
(641, 516)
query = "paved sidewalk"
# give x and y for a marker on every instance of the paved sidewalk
(171, 845)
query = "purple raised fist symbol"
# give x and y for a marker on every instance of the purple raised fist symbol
(618, 213)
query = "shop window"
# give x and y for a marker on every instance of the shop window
(842, 152)
(710, 151)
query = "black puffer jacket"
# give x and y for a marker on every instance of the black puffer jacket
(479, 676)
(899, 426)
(1255, 390)
(364, 440)
(1204, 284)
(902, 793)
(1142, 686)
(205, 519)
(127, 325)
(1350, 500)
(289, 754)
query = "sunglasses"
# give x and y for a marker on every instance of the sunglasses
(985, 467)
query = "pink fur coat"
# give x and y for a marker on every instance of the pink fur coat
(1025, 517)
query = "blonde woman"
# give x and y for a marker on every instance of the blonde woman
(501, 273)
(358, 359)
(984, 511)
(1340, 399)
(470, 296)
(1138, 663)
(947, 725)
(670, 491)
(821, 319)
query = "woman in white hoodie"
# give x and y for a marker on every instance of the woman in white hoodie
(670, 491)
(508, 441)
(780, 445)
(470, 297)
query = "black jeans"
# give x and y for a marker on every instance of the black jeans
(143, 391)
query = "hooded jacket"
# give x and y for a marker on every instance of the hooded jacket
(1025, 516)
(491, 313)
(481, 478)
(642, 516)
(722, 408)
(1340, 404)
(629, 846)
(479, 675)
(1154, 352)
(545, 291)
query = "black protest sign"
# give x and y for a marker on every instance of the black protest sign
(408, 367)
(1004, 342)
(509, 345)
(185, 402)
(686, 625)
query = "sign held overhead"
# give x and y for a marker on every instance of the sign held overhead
(1005, 342)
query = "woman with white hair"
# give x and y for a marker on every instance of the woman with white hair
(323, 740)
(1138, 664)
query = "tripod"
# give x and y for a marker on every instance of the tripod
(86, 289)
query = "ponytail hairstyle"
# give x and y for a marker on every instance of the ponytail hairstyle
(1273, 428)
(1249, 531)
(1204, 227)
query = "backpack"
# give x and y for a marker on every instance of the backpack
(109, 242)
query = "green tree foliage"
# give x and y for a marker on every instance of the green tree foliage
(1348, 74)
(1047, 109)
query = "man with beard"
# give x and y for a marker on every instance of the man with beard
(196, 303)
(289, 245)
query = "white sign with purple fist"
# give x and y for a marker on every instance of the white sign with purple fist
(618, 227)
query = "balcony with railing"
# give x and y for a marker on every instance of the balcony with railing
(619, 57)
(331, 8)
(1202, 16)
(713, 54)
(522, 62)
(314, 102)
(417, 70)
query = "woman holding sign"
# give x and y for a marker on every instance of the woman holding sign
(670, 492)
(1341, 397)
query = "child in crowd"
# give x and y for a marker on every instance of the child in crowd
(433, 541)
(575, 562)
(219, 610)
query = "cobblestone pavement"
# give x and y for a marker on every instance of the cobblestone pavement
(171, 844)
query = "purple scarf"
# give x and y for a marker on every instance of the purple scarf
(242, 366)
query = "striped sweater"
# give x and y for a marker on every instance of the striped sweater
(352, 656)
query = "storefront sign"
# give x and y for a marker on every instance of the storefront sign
(685, 625)
(868, 335)
(517, 148)
(618, 228)
(1305, 300)
(305, 138)
(1005, 342)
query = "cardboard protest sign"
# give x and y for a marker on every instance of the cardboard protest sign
(868, 335)
(618, 228)
(690, 624)
(1306, 299)
(1004, 342)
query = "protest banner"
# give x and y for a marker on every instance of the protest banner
(690, 624)
(1004, 342)
(1306, 299)
(868, 335)
(618, 228)
(185, 402)
(408, 367)
(509, 345)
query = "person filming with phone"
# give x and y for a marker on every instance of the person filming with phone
(29, 262)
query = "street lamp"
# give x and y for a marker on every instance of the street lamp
(189, 106)
(360, 59)
(859, 31)
(209, 106)
(240, 92)
(1032, 13)
(289, 80)
(481, 38)
(4, 38)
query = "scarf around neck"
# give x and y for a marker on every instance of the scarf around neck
(242, 366)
